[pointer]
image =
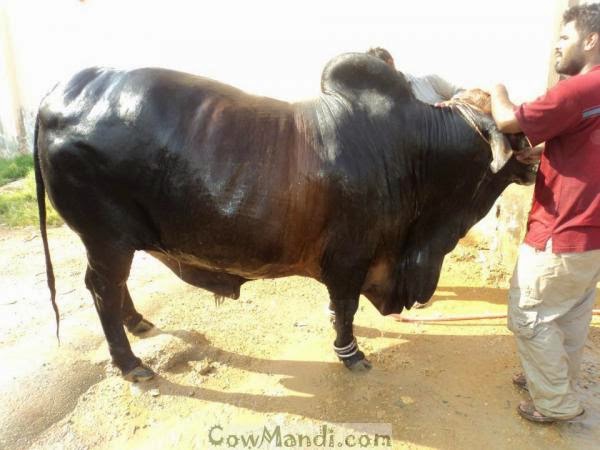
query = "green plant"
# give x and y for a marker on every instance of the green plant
(13, 168)
(18, 207)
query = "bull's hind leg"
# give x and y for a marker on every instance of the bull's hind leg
(106, 277)
(133, 320)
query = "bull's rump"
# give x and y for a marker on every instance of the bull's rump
(160, 160)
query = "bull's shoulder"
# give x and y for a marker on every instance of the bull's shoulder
(353, 74)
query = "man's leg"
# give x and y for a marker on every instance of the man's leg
(575, 323)
(545, 364)
(575, 326)
(544, 288)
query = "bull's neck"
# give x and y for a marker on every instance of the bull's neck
(456, 156)
(440, 129)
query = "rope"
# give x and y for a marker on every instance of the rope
(467, 112)
(400, 318)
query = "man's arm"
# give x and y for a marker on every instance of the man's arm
(443, 87)
(503, 110)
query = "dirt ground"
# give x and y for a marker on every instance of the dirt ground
(263, 360)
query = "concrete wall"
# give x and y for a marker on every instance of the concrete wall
(279, 48)
(501, 232)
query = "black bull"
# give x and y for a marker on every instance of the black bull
(364, 188)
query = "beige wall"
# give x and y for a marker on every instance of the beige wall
(12, 132)
(279, 48)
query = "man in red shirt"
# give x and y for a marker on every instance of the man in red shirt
(553, 287)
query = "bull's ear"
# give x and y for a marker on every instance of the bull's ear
(501, 150)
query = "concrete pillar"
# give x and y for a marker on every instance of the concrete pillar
(503, 230)
(12, 126)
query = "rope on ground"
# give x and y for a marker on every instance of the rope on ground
(401, 318)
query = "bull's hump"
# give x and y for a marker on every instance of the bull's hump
(356, 73)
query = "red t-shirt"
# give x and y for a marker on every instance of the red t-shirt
(566, 201)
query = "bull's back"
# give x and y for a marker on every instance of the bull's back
(183, 164)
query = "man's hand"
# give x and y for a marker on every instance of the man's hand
(503, 110)
(530, 155)
(499, 89)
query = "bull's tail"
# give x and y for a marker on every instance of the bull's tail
(41, 201)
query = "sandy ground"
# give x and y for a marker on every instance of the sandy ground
(264, 360)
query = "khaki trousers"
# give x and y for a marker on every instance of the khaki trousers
(551, 299)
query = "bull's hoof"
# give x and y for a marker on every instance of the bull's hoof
(141, 327)
(140, 373)
(357, 363)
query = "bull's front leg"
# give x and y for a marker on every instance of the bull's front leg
(345, 346)
(344, 266)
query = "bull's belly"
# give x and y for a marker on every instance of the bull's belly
(250, 268)
(249, 247)
(244, 253)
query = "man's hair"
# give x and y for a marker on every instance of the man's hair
(586, 18)
(381, 53)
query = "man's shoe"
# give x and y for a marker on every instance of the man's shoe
(527, 411)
